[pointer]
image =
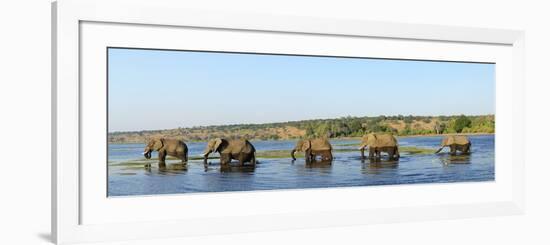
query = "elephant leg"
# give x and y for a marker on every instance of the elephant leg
(326, 156)
(453, 149)
(313, 157)
(225, 159)
(378, 156)
(185, 157)
(323, 155)
(330, 155)
(467, 148)
(162, 159)
(397, 156)
(241, 158)
(391, 153)
(371, 152)
(362, 153)
(307, 156)
(253, 159)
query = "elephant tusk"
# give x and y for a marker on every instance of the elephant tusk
(145, 152)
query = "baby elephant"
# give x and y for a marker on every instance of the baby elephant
(170, 147)
(238, 149)
(313, 148)
(379, 143)
(456, 142)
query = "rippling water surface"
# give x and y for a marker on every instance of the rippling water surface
(347, 169)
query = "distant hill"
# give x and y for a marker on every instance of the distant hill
(332, 128)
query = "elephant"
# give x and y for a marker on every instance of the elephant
(170, 147)
(456, 142)
(238, 149)
(379, 143)
(313, 148)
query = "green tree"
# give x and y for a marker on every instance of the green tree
(322, 130)
(461, 123)
(309, 131)
(439, 127)
(355, 126)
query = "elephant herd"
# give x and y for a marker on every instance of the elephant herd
(243, 151)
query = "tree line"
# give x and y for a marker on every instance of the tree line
(332, 128)
(398, 125)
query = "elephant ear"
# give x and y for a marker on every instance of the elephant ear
(217, 144)
(158, 144)
(307, 145)
(445, 141)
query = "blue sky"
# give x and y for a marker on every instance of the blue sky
(154, 89)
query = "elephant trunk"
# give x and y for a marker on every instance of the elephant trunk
(147, 153)
(205, 155)
(362, 149)
(292, 154)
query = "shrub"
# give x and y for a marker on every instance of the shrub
(462, 122)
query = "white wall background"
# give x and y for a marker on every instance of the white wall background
(25, 122)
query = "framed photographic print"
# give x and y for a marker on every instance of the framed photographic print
(256, 112)
(246, 122)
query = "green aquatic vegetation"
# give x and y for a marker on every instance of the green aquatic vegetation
(126, 173)
(286, 153)
(415, 150)
(348, 144)
(131, 163)
(276, 154)
(201, 157)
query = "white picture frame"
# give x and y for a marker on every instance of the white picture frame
(71, 187)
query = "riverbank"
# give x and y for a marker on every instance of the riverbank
(331, 127)
(433, 135)
(337, 138)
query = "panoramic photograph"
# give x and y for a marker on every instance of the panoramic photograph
(204, 121)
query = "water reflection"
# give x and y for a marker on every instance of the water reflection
(319, 164)
(233, 167)
(318, 167)
(237, 169)
(378, 160)
(167, 169)
(377, 166)
(464, 158)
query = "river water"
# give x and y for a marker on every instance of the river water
(347, 169)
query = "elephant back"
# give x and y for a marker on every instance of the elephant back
(320, 144)
(173, 145)
(379, 140)
(456, 140)
(239, 145)
(386, 140)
